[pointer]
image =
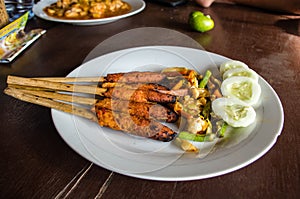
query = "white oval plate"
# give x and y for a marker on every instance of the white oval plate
(136, 7)
(148, 159)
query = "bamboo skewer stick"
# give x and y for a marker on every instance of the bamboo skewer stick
(29, 88)
(89, 79)
(68, 108)
(57, 86)
(72, 79)
(58, 96)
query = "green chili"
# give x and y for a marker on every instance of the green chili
(223, 129)
(205, 79)
(192, 137)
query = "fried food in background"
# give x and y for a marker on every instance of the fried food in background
(87, 9)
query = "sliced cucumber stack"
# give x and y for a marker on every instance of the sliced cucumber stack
(234, 112)
(241, 92)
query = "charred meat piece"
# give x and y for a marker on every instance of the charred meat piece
(147, 86)
(146, 110)
(141, 86)
(134, 125)
(136, 77)
(179, 92)
(139, 95)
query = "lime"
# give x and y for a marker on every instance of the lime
(200, 22)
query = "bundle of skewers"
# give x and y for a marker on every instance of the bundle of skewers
(136, 102)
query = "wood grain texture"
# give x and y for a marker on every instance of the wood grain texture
(37, 163)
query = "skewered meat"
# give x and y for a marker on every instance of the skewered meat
(134, 125)
(142, 86)
(139, 95)
(141, 90)
(146, 110)
(148, 86)
(179, 92)
(136, 77)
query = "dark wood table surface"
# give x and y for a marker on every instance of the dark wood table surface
(37, 163)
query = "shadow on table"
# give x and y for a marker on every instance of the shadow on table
(291, 26)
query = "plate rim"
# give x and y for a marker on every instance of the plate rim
(150, 176)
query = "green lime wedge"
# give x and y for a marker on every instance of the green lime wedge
(200, 22)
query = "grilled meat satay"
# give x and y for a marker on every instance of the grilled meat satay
(179, 92)
(139, 95)
(136, 77)
(148, 86)
(134, 125)
(142, 86)
(146, 110)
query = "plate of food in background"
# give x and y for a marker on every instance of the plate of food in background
(89, 12)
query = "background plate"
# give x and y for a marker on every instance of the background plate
(136, 7)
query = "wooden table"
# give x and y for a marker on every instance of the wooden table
(37, 163)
